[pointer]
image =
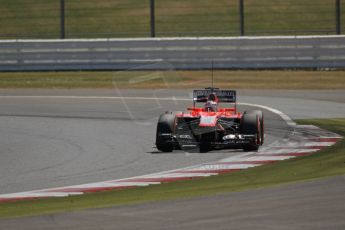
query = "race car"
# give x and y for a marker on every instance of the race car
(210, 126)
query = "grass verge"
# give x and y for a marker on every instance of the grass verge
(328, 162)
(121, 18)
(176, 79)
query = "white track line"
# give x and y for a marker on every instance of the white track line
(91, 97)
(285, 117)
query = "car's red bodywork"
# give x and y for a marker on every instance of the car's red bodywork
(199, 112)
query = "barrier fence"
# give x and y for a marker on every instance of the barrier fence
(163, 18)
(174, 53)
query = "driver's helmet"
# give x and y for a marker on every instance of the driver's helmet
(212, 102)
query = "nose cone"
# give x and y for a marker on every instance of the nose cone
(208, 120)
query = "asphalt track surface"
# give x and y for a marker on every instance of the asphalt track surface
(66, 140)
(79, 136)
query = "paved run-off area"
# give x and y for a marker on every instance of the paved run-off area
(310, 205)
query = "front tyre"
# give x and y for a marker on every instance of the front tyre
(165, 128)
(251, 126)
(261, 120)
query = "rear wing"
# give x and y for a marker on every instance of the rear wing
(201, 95)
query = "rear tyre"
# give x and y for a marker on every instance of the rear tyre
(165, 128)
(251, 126)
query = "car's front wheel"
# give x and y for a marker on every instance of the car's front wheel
(251, 126)
(261, 121)
(165, 128)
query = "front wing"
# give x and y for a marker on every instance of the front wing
(182, 141)
(226, 133)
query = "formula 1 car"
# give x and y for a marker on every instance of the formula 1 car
(211, 126)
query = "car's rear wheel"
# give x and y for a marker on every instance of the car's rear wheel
(251, 126)
(165, 128)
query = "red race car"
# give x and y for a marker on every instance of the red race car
(210, 126)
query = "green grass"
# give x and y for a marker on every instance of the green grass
(325, 163)
(128, 18)
(176, 79)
